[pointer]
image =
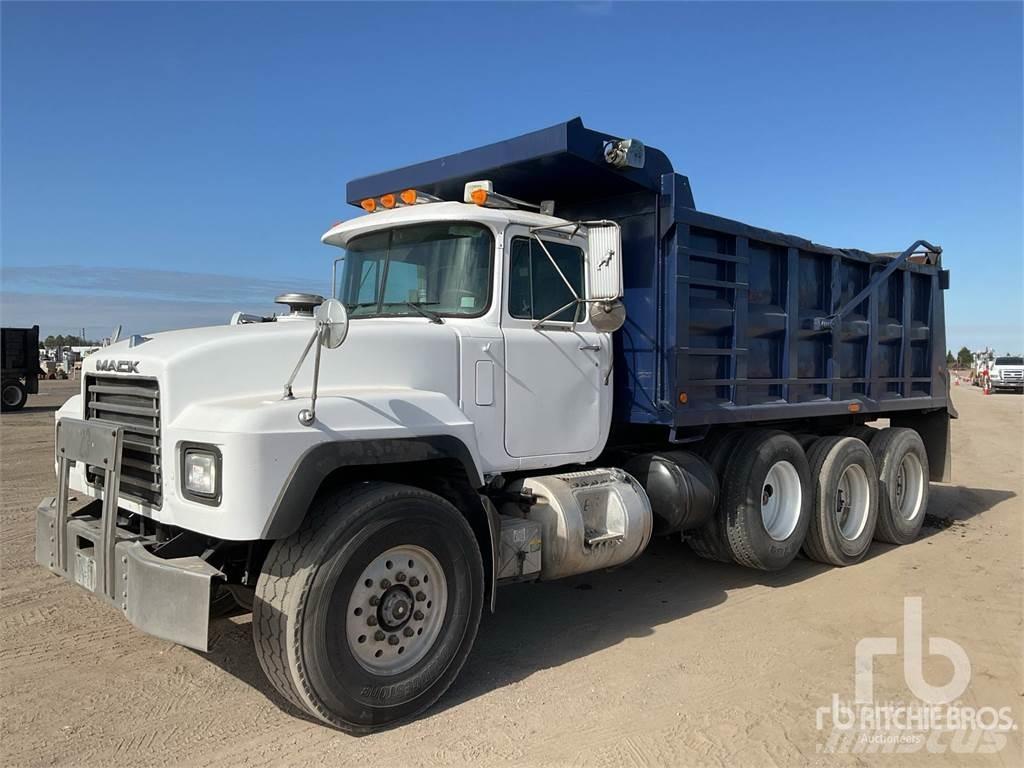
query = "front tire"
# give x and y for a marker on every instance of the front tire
(366, 614)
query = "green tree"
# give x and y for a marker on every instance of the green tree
(950, 360)
(964, 357)
(60, 340)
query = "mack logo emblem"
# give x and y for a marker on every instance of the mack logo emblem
(118, 366)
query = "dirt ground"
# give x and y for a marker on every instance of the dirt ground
(670, 660)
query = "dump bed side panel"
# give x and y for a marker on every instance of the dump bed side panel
(746, 347)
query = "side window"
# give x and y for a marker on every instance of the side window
(535, 289)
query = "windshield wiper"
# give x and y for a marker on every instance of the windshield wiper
(431, 316)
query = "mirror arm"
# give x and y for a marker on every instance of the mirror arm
(574, 303)
(302, 358)
(558, 269)
(308, 415)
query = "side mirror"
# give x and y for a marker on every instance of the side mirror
(604, 260)
(331, 328)
(332, 323)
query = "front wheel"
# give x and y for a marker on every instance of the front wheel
(367, 613)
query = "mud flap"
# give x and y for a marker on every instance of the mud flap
(934, 430)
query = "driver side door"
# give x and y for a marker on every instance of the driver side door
(553, 381)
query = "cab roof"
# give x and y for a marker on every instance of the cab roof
(341, 233)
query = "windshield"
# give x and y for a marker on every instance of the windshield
(1010, 361)
(442, 267)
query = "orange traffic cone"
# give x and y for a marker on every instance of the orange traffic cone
(988, 388)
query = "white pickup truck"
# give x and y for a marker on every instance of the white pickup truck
(1006, 374)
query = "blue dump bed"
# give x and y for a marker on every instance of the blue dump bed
(725, 322)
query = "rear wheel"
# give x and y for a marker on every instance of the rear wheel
(709, 541)
(902, 484)
(367, 613)
(845, 507)
(766, 500)
(13, 395)
(806, 440)
(862, 432)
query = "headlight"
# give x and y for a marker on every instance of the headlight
(200, 473)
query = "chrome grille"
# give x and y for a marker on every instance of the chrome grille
(135, 405)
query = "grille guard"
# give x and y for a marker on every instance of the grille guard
(165, 597)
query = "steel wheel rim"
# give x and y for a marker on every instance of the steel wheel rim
(11, 395)
(852, 502)
(781, 500)
(396, 610)
(909, 487)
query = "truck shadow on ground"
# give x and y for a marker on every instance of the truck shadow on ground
(27, 409)
(543, 625)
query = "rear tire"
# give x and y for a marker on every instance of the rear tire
(766, 500)
(709, 540)
(862, 432)
(13, 395)
(342, 616)
(902, 484)
(845, 507)
(806, 440)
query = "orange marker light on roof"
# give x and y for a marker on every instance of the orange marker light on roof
(388, 201)
(409, 196)
(853, 407)
(479, 196)
(369, 205)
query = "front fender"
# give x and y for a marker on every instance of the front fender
(316, 464)
(273, 465)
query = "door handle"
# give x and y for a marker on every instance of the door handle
(591, 347)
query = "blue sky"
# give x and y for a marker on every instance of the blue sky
(147, 146)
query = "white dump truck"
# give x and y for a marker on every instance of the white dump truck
(533, 357)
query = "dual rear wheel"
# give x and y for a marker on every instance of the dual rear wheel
(829, 496)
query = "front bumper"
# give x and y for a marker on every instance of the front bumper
(167, 598)
(1015, 385)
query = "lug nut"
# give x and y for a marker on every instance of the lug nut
(414, 582)
(400, 576)
(371, 620)
(385, 583)
(420, 597)
(407, 631)
(393, 640)
(374, 600)
(418, 615)
(379, 635)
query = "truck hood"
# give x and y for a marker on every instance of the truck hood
(253, 361)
